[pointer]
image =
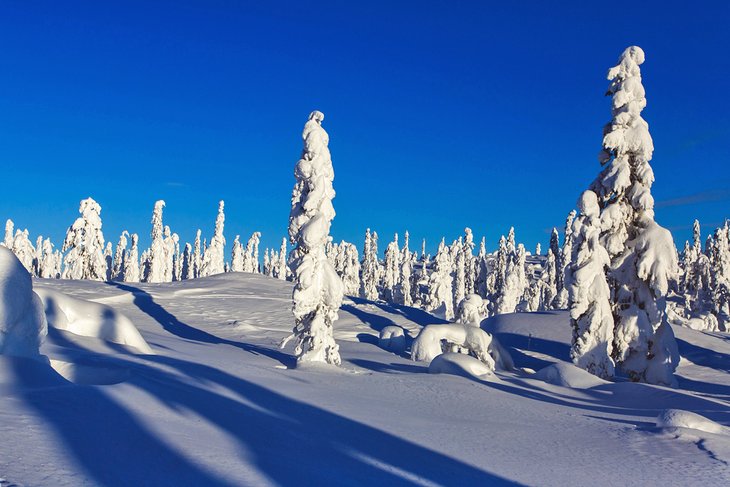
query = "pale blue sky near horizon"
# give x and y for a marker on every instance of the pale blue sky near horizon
(441, 115)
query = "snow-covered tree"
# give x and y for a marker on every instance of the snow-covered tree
(85, 245)
(131, 262)
(172, 255)
(282, 270)
(369, 269)
(351, 269)
(441, 297)
(549, 277)
(392, 270)
(237, 255)
(23, 249)
(109, 259)
(251, 256)
(48, 267)
(318, 290)
(538, 249)
(213, 260)
(186, 265)
(155, 265)
(643, 255)
(588, 293)
(405, 268)
(515, 282)
(720, 275)
(9, 235)
(119, 255)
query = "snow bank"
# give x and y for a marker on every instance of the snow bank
(90, 319)
(568, 375)
(677, 418)
(22, 323)
(459, 364)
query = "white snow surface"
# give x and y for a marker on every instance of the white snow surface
(90, 319)
(219, 404)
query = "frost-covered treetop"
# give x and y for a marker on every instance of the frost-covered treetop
(627, 143)
(313, 194)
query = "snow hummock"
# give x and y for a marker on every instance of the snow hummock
(568, 375)
(22, 323)
(676, 418)
(89, 319)
(459, 364)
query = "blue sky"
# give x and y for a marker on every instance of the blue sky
(441, 115)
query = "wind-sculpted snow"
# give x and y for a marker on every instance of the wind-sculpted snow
(90, 319)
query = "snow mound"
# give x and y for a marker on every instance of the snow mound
(459, 364)
(568, 375)
(90, 375)
(22, 323)
(23, 373)
(677, 418)
(91, 319)
(393, 339)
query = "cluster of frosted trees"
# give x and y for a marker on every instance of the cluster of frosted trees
(704, 282)
(86, 255)
(508, 280)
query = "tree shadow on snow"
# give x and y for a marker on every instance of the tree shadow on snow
(290, 442)
(144, 301)
(415, 315)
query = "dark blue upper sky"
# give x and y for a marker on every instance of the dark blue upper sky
(441, 115)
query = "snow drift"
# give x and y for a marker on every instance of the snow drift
(90, 319)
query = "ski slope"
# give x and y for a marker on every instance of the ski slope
(217, 403)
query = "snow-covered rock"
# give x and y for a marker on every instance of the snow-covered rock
(22, 322)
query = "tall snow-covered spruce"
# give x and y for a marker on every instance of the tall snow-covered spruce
(643, 255)
(318, 290)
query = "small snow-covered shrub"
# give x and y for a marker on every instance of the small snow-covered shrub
(22, 322)
(677, 418)
(428, 344)
(392, 339)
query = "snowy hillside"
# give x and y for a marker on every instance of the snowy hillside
(217, 403)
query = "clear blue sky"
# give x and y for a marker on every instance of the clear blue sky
(441, 115)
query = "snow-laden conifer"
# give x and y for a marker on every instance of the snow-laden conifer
(369, 269)
(23, 249)
(213, 260)
(643, 255)
(588, 293)
(9, 235)
(237, 255)
(441, 297)
(84, 245)
(155, 265)
(131, 261)
(119, 255)
(318, 290)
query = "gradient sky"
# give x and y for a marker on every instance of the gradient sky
(441, 115)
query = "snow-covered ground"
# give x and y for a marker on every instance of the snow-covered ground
(218, 403)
